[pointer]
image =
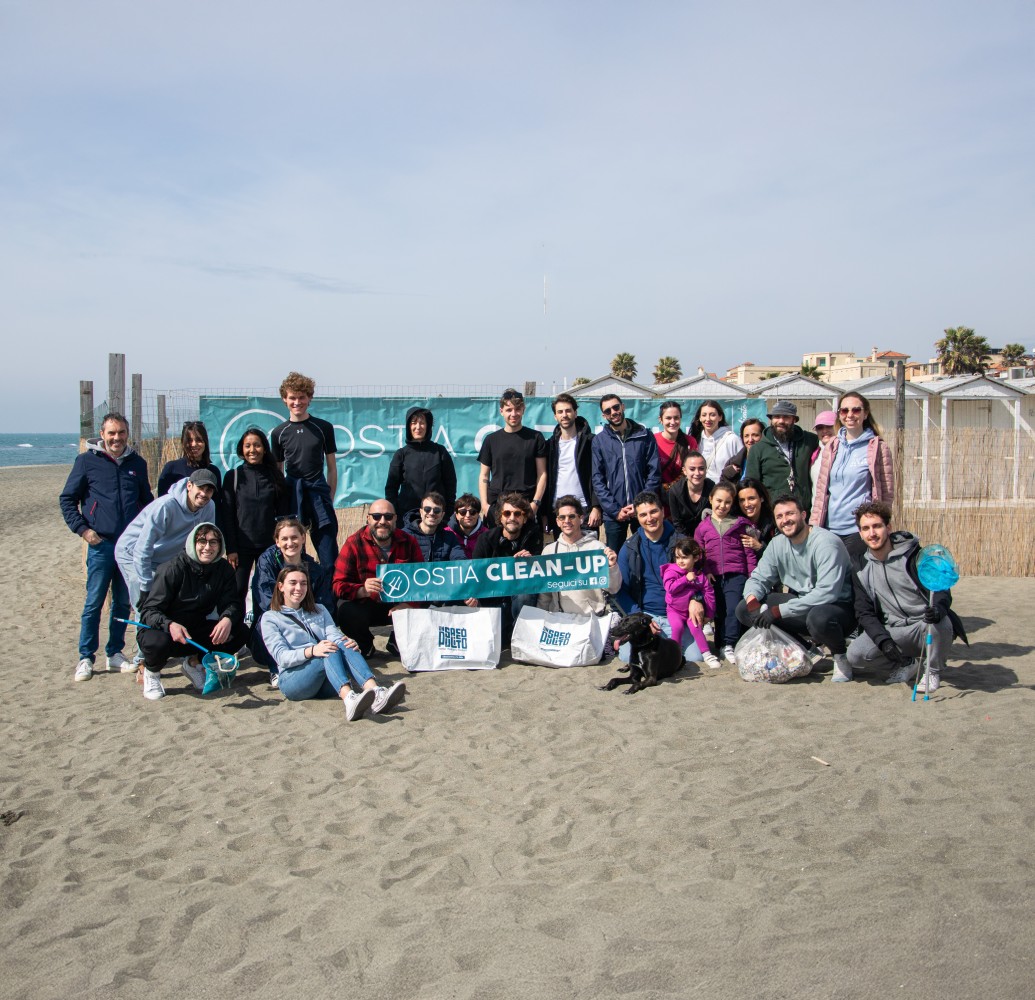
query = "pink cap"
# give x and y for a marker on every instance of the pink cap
(825, 419)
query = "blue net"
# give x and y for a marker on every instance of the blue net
(936, 568)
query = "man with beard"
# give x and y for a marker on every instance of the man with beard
(356, 584)
(781, 460)
(894, 609)
(815, 568)
(625, 464)
(569, 464)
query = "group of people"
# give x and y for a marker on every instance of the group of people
(709, 532)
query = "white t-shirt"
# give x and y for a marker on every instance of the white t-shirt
(567, 473)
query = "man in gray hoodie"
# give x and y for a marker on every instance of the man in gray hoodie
(158, 533)
(894, 609)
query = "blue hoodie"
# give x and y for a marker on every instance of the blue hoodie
(850, 482)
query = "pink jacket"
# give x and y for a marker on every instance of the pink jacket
(679, 591)
(725, 553)
(882, 475)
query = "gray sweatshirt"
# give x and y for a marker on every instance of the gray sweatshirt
(890, 584)
(818, 571)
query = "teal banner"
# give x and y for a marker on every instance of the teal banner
(368, 431)
(464, 578)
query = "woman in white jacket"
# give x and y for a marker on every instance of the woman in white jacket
(716, 441)
(314, 657)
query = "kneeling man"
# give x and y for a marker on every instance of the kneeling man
(813, 564)
(193, 596)
(893, 607)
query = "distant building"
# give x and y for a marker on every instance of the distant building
(749, 372)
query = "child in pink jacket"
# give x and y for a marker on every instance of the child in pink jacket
(685, 581)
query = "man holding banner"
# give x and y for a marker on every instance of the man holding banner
(356, 583)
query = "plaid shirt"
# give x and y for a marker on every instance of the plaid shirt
(361, 555)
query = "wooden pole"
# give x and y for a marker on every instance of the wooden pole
(900, 440)
(117, 383)
(136, 406)
(161, 425)
(86, 409)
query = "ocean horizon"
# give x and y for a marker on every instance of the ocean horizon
(38, 449)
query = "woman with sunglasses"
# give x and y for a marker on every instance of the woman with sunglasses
(856, 468)
(315, 659)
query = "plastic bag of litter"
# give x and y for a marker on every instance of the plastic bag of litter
(771, 656)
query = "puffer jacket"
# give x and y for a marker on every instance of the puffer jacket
(882, 477)
(725, 553)
(439, 547)
(104, 493)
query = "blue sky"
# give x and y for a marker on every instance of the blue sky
(372, 193)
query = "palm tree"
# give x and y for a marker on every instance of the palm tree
(581, 380)
(811, 371)
(962, 352)
(623, 366)
(668, 369)
(1013, 355)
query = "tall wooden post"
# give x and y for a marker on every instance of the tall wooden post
(161, 425)
(900, 441)
(136, 407)
(86, 429)
(117, 383)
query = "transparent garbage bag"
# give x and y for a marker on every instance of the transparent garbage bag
(771, 656)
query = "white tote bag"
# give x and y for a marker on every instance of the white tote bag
(558, 639)
(448, 638)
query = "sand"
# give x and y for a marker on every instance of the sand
(514, 833)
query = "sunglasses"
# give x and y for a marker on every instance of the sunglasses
(466, 511)
(845, 410)
(380, 517)
(510, 515)
(203, 543)
(512, 396)
(568, 517)
(432, 510)
(617, 408)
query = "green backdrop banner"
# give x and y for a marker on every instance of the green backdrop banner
(369, 431)
(502, 577)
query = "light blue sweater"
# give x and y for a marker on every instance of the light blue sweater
(287, 639)
(818, 571)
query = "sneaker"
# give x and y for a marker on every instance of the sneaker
(195, 674)
(842, 672)
(275, 681)
(387, 698)
(84, 669)
(929, 683)
(709, 630)
(153, 689)
(712, 660)
(903, 674)
(119, 664)
(815, 654)
(729, 655)
(356, 704)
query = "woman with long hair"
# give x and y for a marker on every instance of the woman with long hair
(751, 432)
(754, 502)
(856, 468)
(673, 446)
(715, 439)
(194, 454)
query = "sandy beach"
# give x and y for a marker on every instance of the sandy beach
(509, 834)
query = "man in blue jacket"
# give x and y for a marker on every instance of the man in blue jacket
(105, 491)
(625, 463)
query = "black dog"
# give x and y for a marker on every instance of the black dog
(654, 657)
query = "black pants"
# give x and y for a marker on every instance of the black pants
(825, 624)
(158, 646)
(355, 619)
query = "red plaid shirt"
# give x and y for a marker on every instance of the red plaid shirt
(361, 555)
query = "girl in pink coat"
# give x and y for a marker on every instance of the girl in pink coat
(685, 581)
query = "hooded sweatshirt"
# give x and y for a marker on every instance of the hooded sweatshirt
(467, 542)
(890, 584)
(718, 450)
(442, 546)
(420, 468)
(104, 493)
(157, 534)
(184, 588)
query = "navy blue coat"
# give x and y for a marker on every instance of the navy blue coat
(103, 494)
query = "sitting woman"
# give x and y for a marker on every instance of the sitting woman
(314, 658)
(288, 549)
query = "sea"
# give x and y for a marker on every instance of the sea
(38, 449)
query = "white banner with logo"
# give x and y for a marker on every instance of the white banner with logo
(448, 638)
(558, 639)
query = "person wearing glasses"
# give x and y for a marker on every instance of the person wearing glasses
(782, 459)
(421, 466)
(512, 459)
(193, 596)
(568, 513)
(467, 524)
(426, 525)
(356, 585)
(625, 464)
(517, 535)
(856, 468)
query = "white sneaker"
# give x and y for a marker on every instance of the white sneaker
(84, 669)
(388, 698)
(356, 704)
(729, 655)
(153, 689)
(903, 674)
(842, 671)
(929, 683)
(709, 630)
(712, 660)
(195, 674)
(275, 681)
(119, 664)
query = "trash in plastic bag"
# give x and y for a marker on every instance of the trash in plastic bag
(771, 656)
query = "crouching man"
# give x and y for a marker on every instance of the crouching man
(893, 607)
(193, 596)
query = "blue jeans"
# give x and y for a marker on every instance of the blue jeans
(324, 678)
(689, 647)
(103, 575)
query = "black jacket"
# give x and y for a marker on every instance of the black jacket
(583, 464)
(684, 514)
(419, 468)
(252, 501)
(493, 544)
